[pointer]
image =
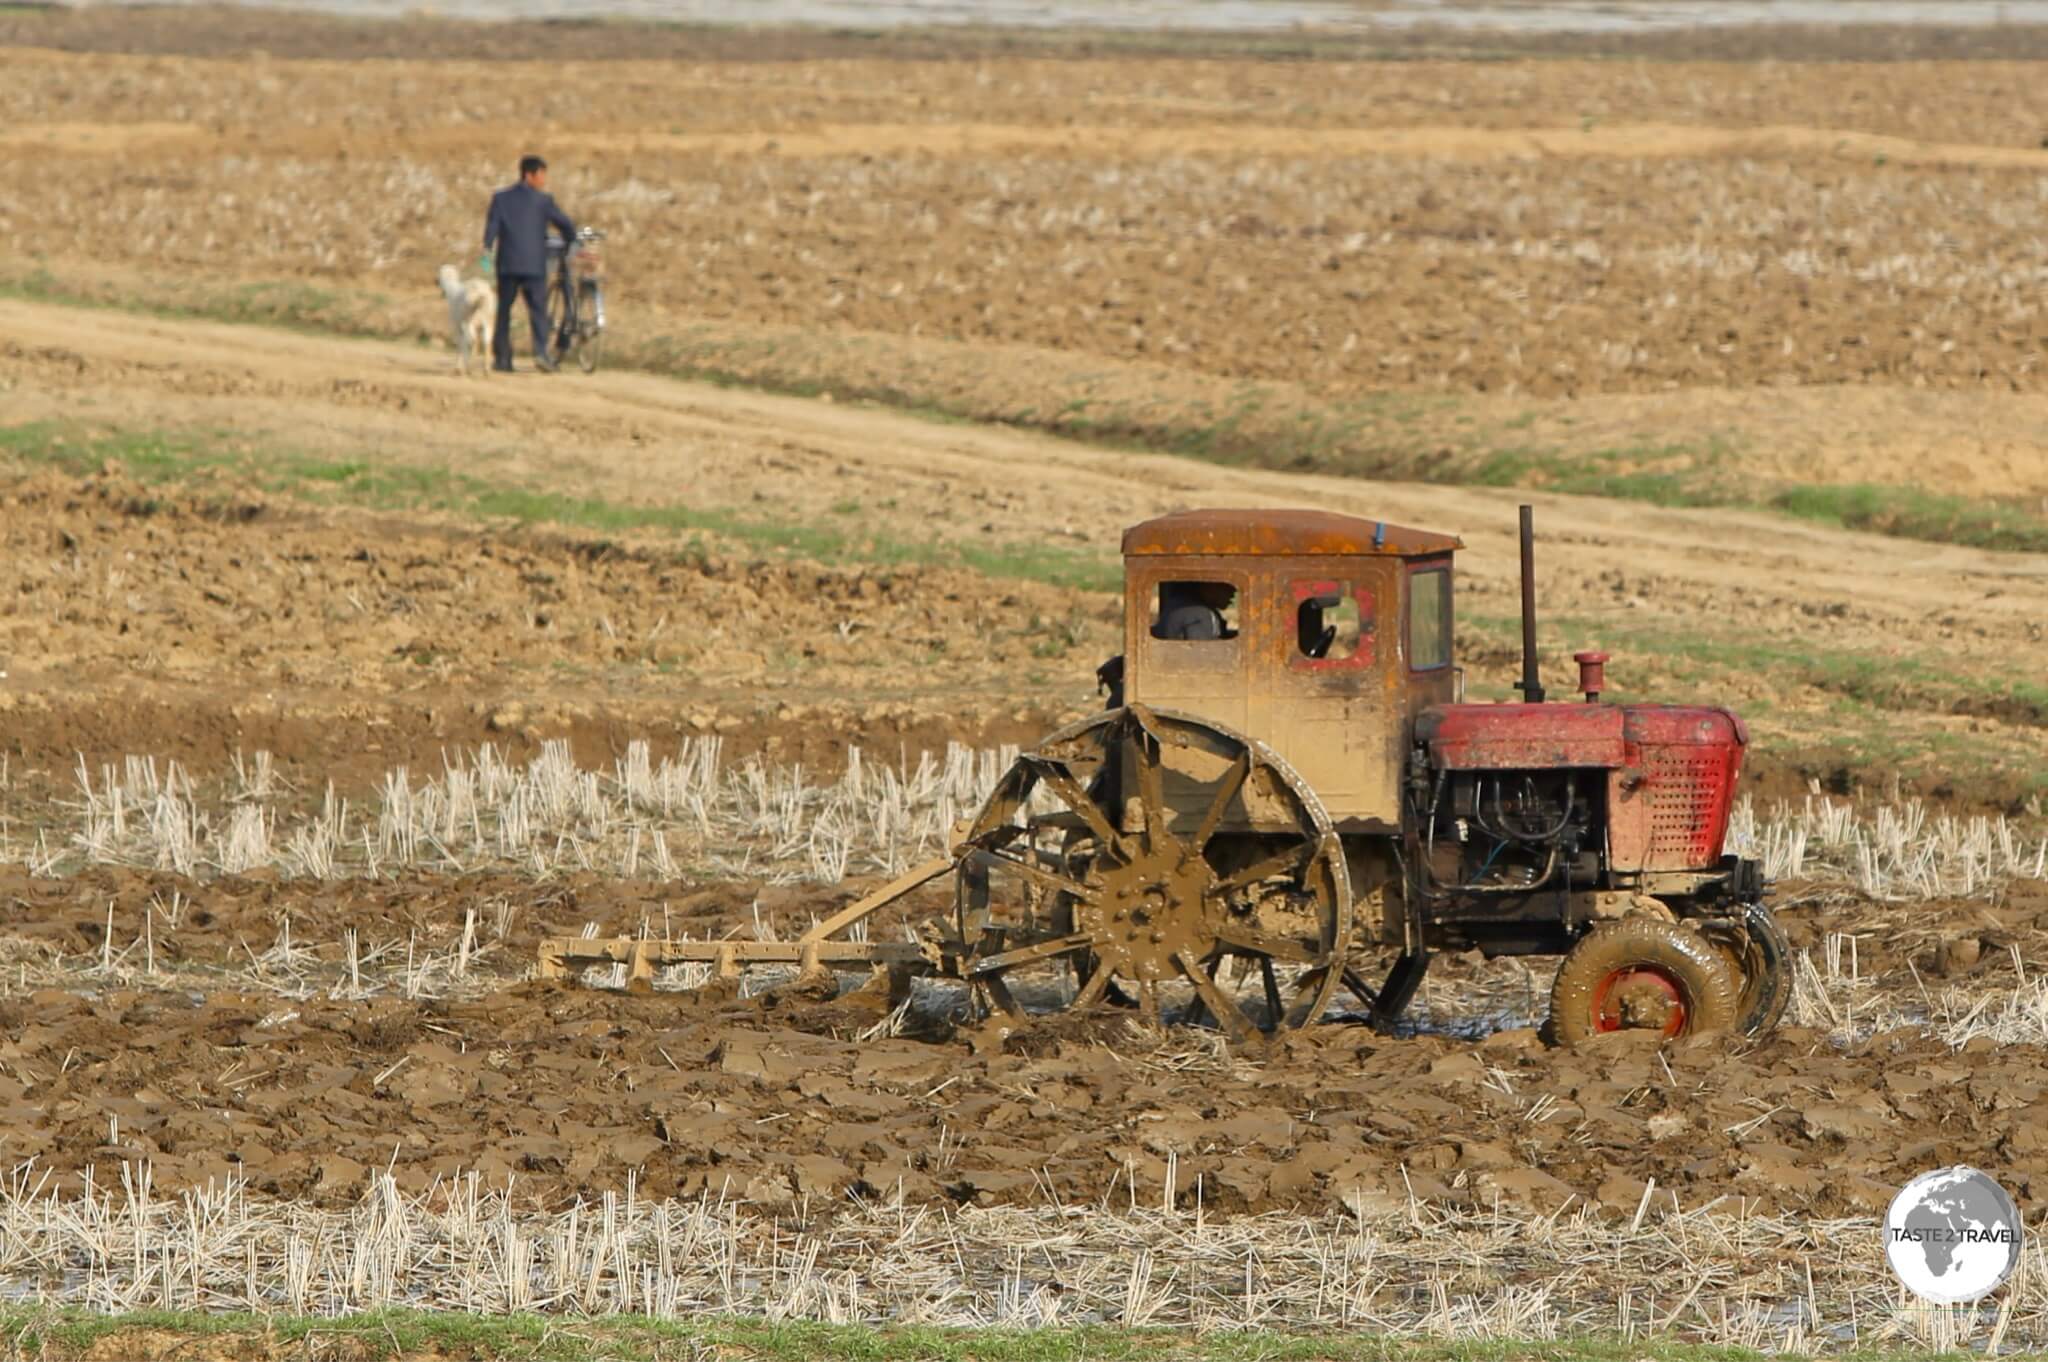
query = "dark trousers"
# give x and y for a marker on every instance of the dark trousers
(534, 286)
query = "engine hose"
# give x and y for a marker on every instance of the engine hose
(1528, 838)
(1436, 799)
(1549, 868)
(1501, 841)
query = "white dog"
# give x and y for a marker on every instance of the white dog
(472, 311)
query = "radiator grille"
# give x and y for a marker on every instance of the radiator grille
(1688, 799)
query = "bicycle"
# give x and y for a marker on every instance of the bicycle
(575, 299)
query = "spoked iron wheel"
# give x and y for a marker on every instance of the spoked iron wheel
(1156, 855)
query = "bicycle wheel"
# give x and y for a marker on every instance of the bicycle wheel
(561, 317)
(589, 336)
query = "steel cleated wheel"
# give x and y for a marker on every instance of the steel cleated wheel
(1643, 973)
(1156, 857)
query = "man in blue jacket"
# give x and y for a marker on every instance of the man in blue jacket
(517, 229)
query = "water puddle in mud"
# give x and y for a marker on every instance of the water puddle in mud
(934, 1005)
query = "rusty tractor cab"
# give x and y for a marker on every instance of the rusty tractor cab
(1584, 829)
(1286, 786)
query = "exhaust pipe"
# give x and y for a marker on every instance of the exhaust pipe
(1530, 685)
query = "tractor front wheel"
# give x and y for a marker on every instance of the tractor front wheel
(1643, 973)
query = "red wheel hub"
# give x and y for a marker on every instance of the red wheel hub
(1640, 997)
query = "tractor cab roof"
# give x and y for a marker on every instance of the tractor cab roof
(1280, 533)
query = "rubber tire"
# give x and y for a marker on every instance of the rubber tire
(589, 344)
(1765, 976)
(1709, 988)
(558, 305)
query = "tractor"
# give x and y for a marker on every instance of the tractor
(1287, 784)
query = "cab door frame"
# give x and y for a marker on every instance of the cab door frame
(1336, 721)
(1206, 677)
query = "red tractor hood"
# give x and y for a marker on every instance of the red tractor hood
(1538, 737)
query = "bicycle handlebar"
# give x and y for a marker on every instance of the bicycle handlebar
(585, 236)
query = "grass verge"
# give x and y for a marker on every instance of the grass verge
(162, 459)
(391, 1335)
(1708, 473)
(1910, 513)
(1385, 435)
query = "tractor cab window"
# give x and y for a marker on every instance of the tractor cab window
(1333, 625)
(1429, 619)
(1195, 611)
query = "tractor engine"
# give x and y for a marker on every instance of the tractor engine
(1509, 832)
(1544, 816)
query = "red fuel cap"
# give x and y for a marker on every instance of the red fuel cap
(1592, 673)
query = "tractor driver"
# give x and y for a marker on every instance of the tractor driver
(1194, 610)
(1313, 634)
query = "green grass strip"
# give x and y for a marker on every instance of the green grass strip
(163, 459)
(1910, 513)
(62, 1335)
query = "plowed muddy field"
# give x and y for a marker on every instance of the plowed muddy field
(247, 1045)
(197, 622)
(1549, 228)
(1802, 270)
(331, 683)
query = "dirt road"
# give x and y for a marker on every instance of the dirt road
(646, 440)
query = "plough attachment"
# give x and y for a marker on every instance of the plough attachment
(811, 954)
(1127, 859)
